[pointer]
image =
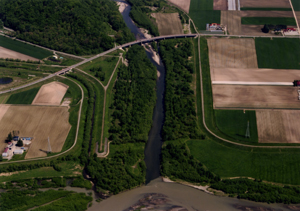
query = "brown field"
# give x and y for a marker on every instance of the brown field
(168, 23)
(239, 96)
(232, 53)
(182, 4)
(50, 94)
(266, 3)
(6, 53)
(254, 74)
(232, 20)
(278, 126)
(255, 30)
(38, 122)
(220, 5)
(257, 13)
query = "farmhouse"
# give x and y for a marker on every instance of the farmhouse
(214, 27)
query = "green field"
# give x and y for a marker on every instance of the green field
(24, 48)
(296, 5)
(198, 5)
(266, 8)
(234, 123)
(278, 53)
(25, 97)
(107, 64)
(268, 20)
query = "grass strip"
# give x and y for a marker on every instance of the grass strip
(268, 20)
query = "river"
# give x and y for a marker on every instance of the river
(168, 195)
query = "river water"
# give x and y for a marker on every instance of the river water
(175, 195)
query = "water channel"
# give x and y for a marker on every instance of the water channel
(175, 195)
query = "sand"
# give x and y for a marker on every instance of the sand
(278, 126)
(254, 74)
(168, 23)
(38, 122)
(182, 4)
(266, 3)
(122, 6)
(232, 53)
(6, 53)
(239, 96)
(232, 20)
(50, 94)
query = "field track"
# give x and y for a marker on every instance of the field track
(279, 126)
(182, 4)
(220, 5)
(38, 122)
(231, 19)
(254, 74)
(50, 94)
(238, 96)
(232, 53)
(266, 3)
(168, 23)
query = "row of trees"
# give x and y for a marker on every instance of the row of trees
(180, 119)
(134, 99)
(78, 27)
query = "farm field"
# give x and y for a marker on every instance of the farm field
(253, 13)
(271, 165)
(182, 4)
(269, 20)
(232, 53)
(23, 48)
(220, 5)
(6, 53)
(265, 3)
(202, 17)
(38, 122)
(298, 16)
(168, 23)
(253, 30)
(278, 126)
(278, 53)
(238, 96)
(50, 94)
(25, 97)
(254, 74)
(296, 5)
(232, 20)
(237, 126)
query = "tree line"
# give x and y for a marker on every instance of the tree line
(77, 27)
(180, 119)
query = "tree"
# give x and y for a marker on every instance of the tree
(20, 143)
(1, 24)
(265, 29)
(9, 137)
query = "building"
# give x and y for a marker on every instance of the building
(18, 151)
(16, 138)
(214, 27)
(5, 154)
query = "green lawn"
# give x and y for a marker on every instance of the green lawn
(278, 53)
(24, 48)
(281, 167)
(296, 5)
(267, 8)
(25, 97)
(106, 63)
(268, 20)
(234, 123)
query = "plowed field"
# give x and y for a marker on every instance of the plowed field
(254, 13)
(238, 96)
(266, 3)
(232, 53)
(280, 126)
(232, 20)
(168, 23)
(220, 4)
(183, 4)
(38, 122)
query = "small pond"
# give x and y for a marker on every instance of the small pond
(5, 80)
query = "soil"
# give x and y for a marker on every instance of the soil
(239, 96)
(266, 3)
(232, 53)
(220, 5)
(232, 20)
(256, 13)
(168, 23)
(3, 110)
(255, 30)
(254, 74)
(182, 4)
(50, 94)
(279, 126)
(38, 122)
(6, 53)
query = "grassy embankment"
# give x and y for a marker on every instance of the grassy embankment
(201, 11)
(278, 53)
(24, 48)
(227, 160)
(268, 20)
